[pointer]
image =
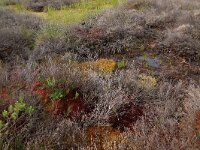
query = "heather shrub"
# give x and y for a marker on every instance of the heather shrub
(163, 107)
(181, 44)
(9, 18)
(18, 33)
(41, 5)
(125, 29)
(11, 2)
(16, 42)
(111, 32)
(48, 47)
(3, 74)
(103, 35)
(159, 131)
(50, 40)
(122, 29)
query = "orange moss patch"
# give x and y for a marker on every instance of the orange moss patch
(106, 137)
(101, 65)
(102, 137)
(106, 65)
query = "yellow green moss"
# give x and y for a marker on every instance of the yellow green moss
(147, 82)
(101, 65)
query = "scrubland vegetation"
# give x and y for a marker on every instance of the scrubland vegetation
(100, 74)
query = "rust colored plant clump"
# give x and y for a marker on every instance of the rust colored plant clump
(60, 102)
(69, 105)
(126, 116)
(102, 137)
(5, 99)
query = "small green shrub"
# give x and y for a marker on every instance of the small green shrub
(77, 95)
(14, 112)
(51, 82)
(122, 64)
(57, 94)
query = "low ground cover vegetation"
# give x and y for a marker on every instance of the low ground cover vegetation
(100, 74)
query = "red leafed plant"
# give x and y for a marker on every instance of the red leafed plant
(59, 100)
(36, 85)
(71, 104)
(4, 94)
(39, 89)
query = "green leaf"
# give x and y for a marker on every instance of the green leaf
(76, 95)
(5, 114)
(1, 124)
(21, 99)
(51, 82)
(20, 106)
(14, 116)
(58, 94)
(198, 135)
(30, 110)
(122, 64)
(10, 109)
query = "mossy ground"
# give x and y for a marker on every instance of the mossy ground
(70, 14)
